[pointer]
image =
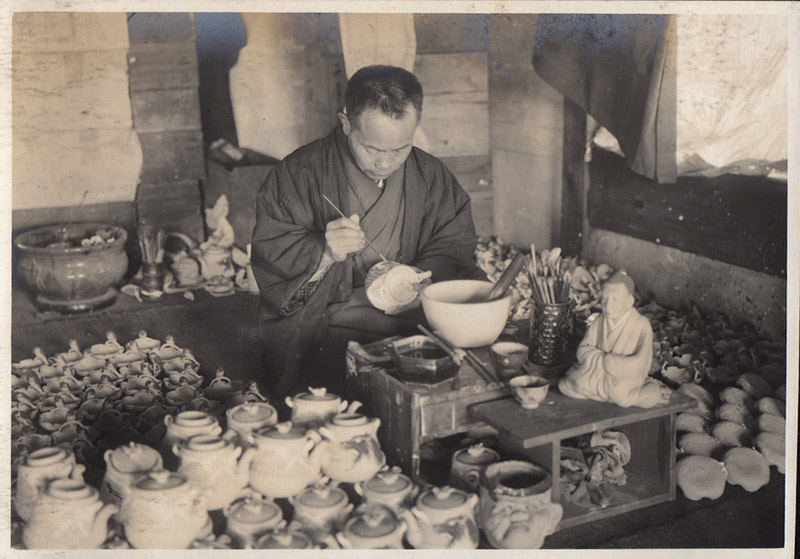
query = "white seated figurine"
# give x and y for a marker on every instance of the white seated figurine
(615, 354)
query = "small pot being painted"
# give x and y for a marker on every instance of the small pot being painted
(516, 508)
(315, 407)
(390, 488)
(321, 510)
(124, 466)
(373, 527)
(69, 515)
(39, 468)
(247, 418)
(249, 518)
(164, 511)
(350, 451)
(216, 466)
(283, 463)
(467, 464)
(443, 518)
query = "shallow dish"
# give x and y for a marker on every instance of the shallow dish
(419, 360)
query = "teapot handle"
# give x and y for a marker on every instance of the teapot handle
(290, 402)
(216, 431)
(77, 472)
(342, 540)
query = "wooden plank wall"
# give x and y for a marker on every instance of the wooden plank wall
(164, 90)
(453, 67)
(735, 219)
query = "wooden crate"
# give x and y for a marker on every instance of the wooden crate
(412, 415)
(537, 435)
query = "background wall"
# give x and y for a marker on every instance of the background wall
(73, 141)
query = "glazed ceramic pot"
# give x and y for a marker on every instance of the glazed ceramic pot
(247, 418)
(467, 464)
(65, 275)
(374, 527)
(283, 463)
(390, 488)
(516, 508)
(350, 451)
(321, 510)
(69, 515)
(37, 470)
(164, 511)
(215, 466)
(124, 466)
(249, 518)
(316, 406)
(443, 518)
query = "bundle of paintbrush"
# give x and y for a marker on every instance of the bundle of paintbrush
(550, 276)
(151, 243)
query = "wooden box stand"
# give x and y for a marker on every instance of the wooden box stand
(413, 414)
(537, 435)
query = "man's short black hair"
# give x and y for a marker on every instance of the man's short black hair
(387, 88)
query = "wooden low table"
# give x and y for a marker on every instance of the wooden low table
(537, 435)
(413, 414)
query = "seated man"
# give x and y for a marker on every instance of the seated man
(310, 263)
(615, 354)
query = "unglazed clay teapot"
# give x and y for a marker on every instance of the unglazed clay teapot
(143, 343)
(468, 463)
(124, 466)
(69, 515)
(350, 451)
(248, 518)
(316, 406)
(373, 527)
(164, 511)
(443, 518)
(106, 349)
(37, 470)
(216, 466)
(247, 418)
(284, 464)
(321, 509)
(184, 425)
(389, 487)
(286, 538)
(516, 509)
(221, 387)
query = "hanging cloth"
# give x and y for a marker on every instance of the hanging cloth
(620, 69)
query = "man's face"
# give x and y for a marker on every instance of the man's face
(615, 300)
(379, 143)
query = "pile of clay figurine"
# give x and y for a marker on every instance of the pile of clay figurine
(736, 376)
(127, 446)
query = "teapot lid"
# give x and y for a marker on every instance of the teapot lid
(47, 456)
(442, 498)
(322, 497)
(254, 510)
(476, 455)
(194, 418)
(283, 540)
(161, 480)
(317, 394)
(349, 419)
(134, 457)
(69, 489)
(388, 482)
(251, 412)
(375, 522)
(283, 431)
(206, 443)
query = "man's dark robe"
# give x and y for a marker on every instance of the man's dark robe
(438, 234)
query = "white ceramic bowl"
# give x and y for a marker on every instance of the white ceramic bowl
(457, 311)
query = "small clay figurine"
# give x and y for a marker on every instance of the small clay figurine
(615, 354)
